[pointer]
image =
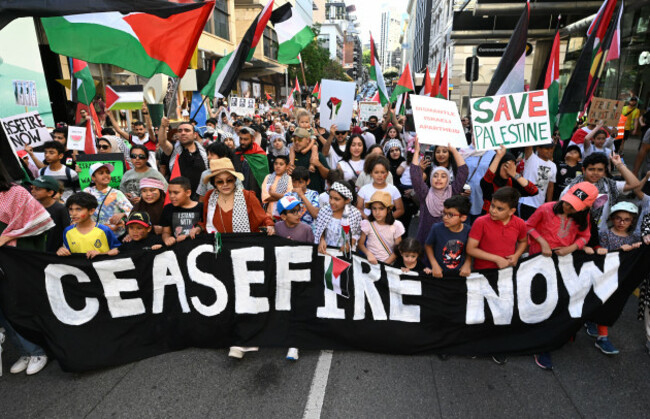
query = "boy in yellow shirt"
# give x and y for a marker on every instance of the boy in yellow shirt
(85, 235)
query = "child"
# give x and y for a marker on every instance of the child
(568, 170)
(113, 204)
(303, 117)
(379, 171)
(595, 142)
(179, 218)
(409, 260)
(447, 240)
(54, 151)
(620, 236)
(335, 218)
(561, 227)
(44, 189)
(382, 232)
(139, 228)
(276, 185)
(86, 235)
(498, 239)
(300, 179)
(539, 169)
(290, 210)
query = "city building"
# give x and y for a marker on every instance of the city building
(389, 42)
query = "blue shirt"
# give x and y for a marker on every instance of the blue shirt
(481, 164)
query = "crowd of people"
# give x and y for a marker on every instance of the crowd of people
(373, 188)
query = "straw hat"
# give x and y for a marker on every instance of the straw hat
(218, 166)
(381, 197)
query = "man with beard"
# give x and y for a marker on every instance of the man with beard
(375, 129)
(187, 152)
(255, 165)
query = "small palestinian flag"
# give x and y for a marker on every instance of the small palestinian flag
(316, 91)
(335, 269)
(268, 97)
(335, 105)
(83, 85)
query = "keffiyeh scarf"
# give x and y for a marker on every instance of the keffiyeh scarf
(240, 222)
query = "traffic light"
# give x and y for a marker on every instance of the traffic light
(469, 74)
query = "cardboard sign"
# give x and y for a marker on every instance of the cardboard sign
(337, 100)
(242, 106)
(437, 121)
(513, 120)
(25, 92)
(25, 129)
(84, 161)
(76, 138)
(368, 109)
(605, 111)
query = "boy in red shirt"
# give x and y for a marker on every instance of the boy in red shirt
(498, 239)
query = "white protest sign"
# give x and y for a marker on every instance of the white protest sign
(368, 109)
(513, 120)
(437, 121)
(242, 106)
(25, 129)
(337, 100)
(25, 92)
(76, 138)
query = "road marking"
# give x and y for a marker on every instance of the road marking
(318, 385)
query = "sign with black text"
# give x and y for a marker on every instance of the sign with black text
(513, 120)
(25, 129)
(605, 111)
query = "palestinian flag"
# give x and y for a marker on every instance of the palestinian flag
(83, 85)
(293, 33)
(122, 97)
(296, 84)
(552, 80)
(145, 43)
(316, 91)
(404, 84)
(376, 73)
(427, 86)
(509, 75)
(333, 281)
(335, 105)
(257, 161)
(443, 92)
(375, 97)
(575, 91)
(10, 10)
(435, 87)
(227, 70)
(268, 97)
(290, 101)
(176, 172)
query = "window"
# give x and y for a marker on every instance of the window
(218, 24)
(270, 44)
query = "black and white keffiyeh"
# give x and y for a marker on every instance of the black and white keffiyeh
(283, 183)
(350, 213)
(240, 222)
(178, 149)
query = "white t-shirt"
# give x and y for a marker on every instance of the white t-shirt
(541, 173)
(607, 151)
(69, 185)
(405, 179)
(367, 191)
(369, 139)
(332, 158)
(351, 169)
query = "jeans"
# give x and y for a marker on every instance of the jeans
(25, 347)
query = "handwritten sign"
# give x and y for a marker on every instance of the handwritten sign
(76, 138)
(84, 161)
(242, 106)
(26, 129)
(605, 111)
(368, 109)
(437, 121)
(513, 120)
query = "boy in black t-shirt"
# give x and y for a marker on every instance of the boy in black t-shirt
(179, 219)
(445, 245)
(568, 170)
(139, 227)
(44, 189)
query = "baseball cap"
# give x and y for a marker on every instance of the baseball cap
(287, 203)
(95, 167)
(625, 206)
(46, 182)
(301, 132)
(581, 195)
(573, 147)
(139, 217)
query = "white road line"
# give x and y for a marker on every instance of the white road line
(318, 385)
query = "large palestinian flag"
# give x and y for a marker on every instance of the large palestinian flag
(376, 73)
(225, 74)
(83, 85)
(145, 43)
(293, 33)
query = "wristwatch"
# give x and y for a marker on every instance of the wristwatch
(517, 176)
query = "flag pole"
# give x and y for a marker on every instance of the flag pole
(302, 67)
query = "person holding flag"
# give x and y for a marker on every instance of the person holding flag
(339, 223)
(255, 164)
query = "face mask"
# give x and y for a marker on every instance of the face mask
(372, 124)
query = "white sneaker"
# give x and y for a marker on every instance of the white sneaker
(36, 363)
(236, 352)
(20, 365)
(292, 354)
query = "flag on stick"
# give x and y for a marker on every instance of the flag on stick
(404, 84)
(296, 86)
(335, 269)
(435, 86)
(83, 85)
(376, 73)
(552, 80)
(427, 87)
(316, 91)
(444, 84)
(293, 33)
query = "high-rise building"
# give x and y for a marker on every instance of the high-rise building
(389, 39)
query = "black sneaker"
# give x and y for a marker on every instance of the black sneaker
(543, 361)
(500, 359)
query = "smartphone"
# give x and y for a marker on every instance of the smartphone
(428, 155)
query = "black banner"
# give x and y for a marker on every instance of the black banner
(270, 292)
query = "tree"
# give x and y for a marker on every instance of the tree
(365, 59)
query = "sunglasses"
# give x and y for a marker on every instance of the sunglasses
(224, 182)
(138, 157)
(340, 132)
(104, 147)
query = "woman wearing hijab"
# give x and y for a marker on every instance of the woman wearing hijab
(503, 172)
(277, 147)
(432, 198)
